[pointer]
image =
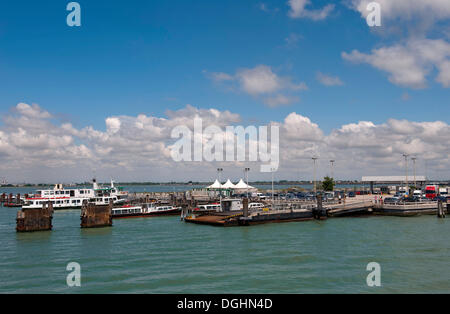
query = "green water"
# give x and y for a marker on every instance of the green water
(164, 255)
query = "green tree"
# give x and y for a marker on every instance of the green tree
(328, 184)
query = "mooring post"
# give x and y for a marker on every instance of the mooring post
(93, 216)
(36, 219)
(441, 212)
(245, 207)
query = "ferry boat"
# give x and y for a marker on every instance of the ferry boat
(145, 210)
(62, 198)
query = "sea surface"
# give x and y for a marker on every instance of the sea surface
(165, 255)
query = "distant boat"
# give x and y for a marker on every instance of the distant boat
(62, 198)
(145, 210)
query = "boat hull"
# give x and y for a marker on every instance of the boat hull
(175, 212)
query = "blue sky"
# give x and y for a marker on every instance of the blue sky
(148, 57)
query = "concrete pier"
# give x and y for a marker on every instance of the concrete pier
(94, 216)
(37, 219)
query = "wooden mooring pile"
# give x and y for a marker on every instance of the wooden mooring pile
(36, 219)
(11, 200)
(94, 216)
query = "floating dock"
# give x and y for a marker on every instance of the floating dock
(406, 210)
(350, 209)
(224, 219)
(276, 216)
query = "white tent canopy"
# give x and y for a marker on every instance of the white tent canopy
(228, 185)
(242, 185)
(215, 185)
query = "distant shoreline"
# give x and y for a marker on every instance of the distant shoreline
(281, 182)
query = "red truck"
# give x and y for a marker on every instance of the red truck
(431, 191)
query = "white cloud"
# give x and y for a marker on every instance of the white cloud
(432, 10)
(280, 100)
(262, 81)
(298, 10)
(329, 80)
(409, 64)
(138, 148)
(33, 111)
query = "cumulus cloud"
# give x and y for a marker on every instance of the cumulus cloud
(280, 100)
(328, 80)
(407, 10)
(298, 10)
(409, 64)
(262, 81)
(138, 147)
(415, 56)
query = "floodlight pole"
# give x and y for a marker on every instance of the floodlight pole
(406, 173)
(246, 170)
(219, 170)
(315, 188)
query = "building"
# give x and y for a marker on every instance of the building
(394, 180)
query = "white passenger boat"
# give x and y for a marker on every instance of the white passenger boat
(62, 198)
(145, 210)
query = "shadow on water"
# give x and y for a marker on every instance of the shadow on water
(33, 237)
(101, 231)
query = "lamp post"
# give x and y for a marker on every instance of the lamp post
(272, 170)
(246, 170)
(414, 162)
(332, 171)
(315, 188)
(219, 171)
(406, 173)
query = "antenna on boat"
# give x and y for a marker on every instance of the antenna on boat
(94, 183)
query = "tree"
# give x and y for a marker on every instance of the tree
(328, 184)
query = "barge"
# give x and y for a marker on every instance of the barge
(406, 210)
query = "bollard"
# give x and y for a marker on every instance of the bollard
(440, 211)
(320, 213)
(245, 207)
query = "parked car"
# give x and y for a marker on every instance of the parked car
(391, 200)
(440, 198)
(351, 194)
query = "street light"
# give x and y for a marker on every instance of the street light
(272, 170)
(219, 171)
(332, 171)
(414, 162)
(406, 172)
(246, 170)
(315, 189)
